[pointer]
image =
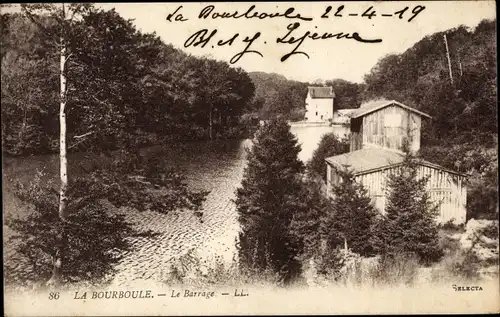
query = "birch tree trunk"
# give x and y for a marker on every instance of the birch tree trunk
(448, 57)
(63, 165)
(62, 140)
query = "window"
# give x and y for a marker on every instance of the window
(316, 113)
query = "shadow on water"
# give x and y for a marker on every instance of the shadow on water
(203, 163)
(198, 161)
(216, 166)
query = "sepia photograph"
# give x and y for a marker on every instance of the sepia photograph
(249, 158)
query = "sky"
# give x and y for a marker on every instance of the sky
(344, 58)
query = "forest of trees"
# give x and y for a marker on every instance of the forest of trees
(463, 111)
(276, 95)
(122, 86)
(123, 89)
(162, 92)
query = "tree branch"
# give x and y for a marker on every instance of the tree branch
(67, 58)
(80, 137)
(83, 135)
(75, 144)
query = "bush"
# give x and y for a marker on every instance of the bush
(330, 145)
(42, 237)
(394, 270)
(348, 268)
(339, 266)
(350, 218)
(455, 267)
(491, 231)
(482, 195)
(451, 226)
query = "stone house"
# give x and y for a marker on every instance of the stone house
(319, 104)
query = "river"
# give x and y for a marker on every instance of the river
(309, 137)
(215, 166)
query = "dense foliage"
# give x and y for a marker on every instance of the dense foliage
(329, 145)
(348, 95)
(409, 225)
(351, 218)
(124, 179)
(462, 112)
(277, 96)
(269, 197)
(123, 85)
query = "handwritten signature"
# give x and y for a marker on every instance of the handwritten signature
(202, 38)
(293, 36)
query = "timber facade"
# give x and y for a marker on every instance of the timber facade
(378, 131)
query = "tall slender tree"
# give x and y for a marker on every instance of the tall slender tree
(269, 197)
(61, 233)
(62, 17)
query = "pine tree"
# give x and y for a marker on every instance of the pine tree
(351, 217)
(269, 197)
(410, 225)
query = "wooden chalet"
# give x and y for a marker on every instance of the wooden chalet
(378, 132)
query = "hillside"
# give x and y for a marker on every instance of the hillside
(276, 95)
(462, 134)
(463, 111)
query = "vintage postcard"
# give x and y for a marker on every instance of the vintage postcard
(250, 158)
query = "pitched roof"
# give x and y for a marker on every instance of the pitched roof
(321, 92)
(370, 160)
(374, 105)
